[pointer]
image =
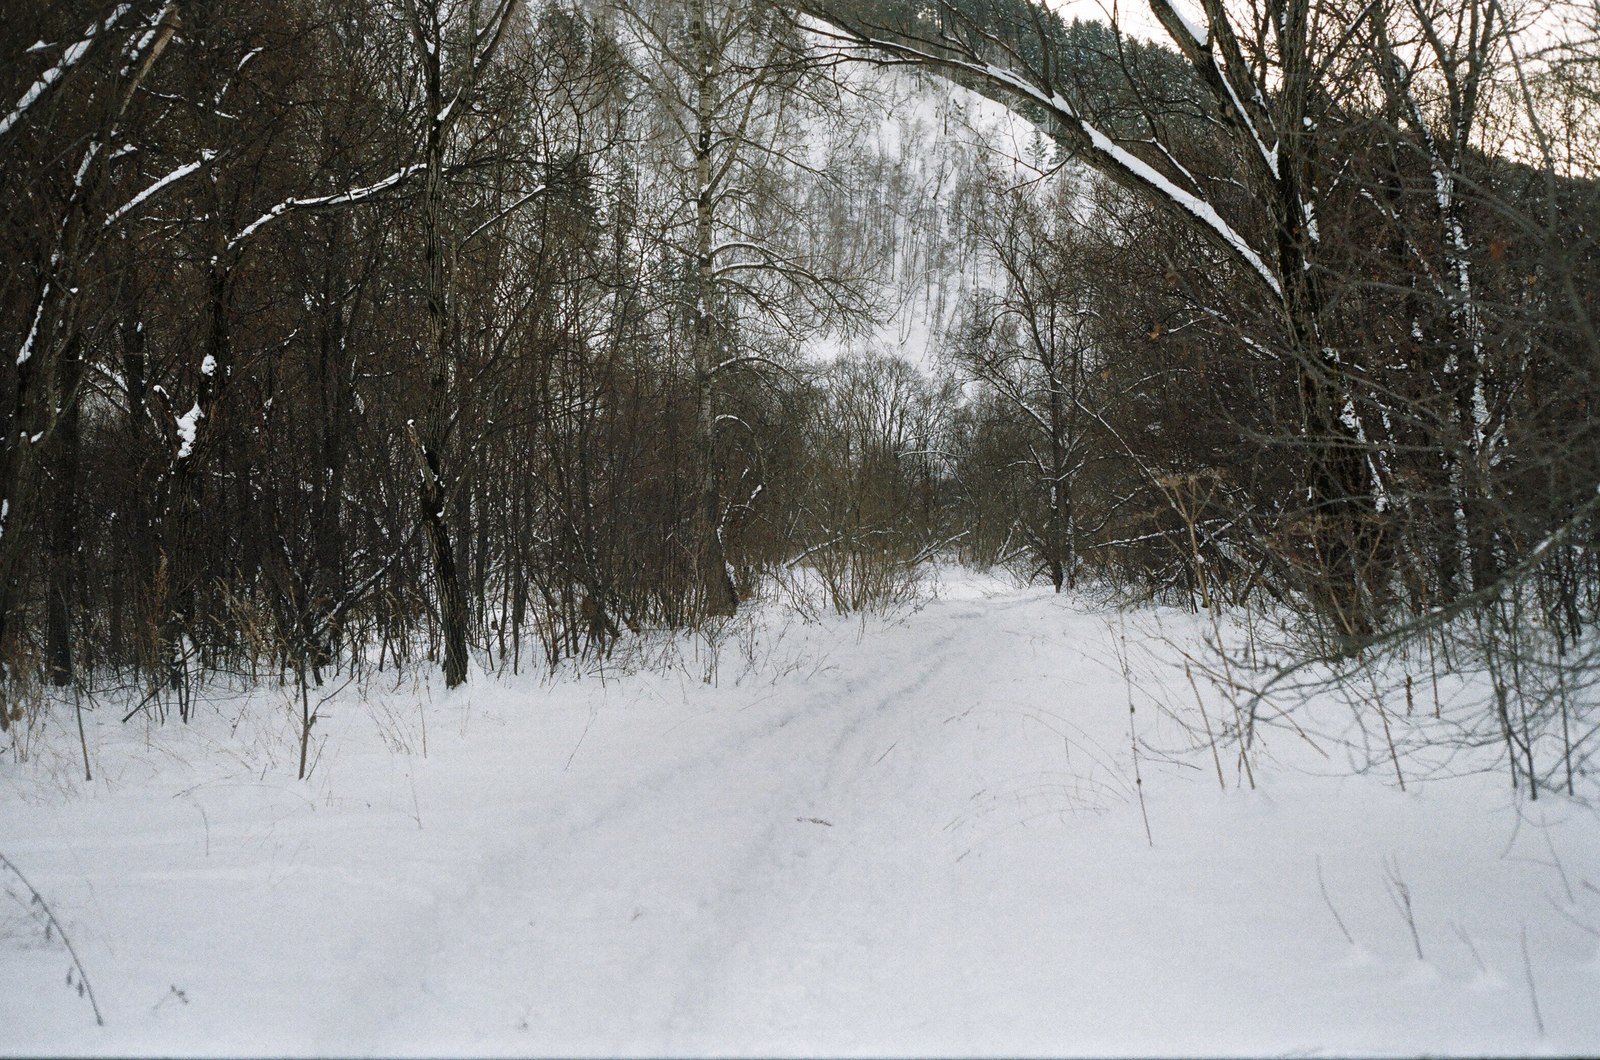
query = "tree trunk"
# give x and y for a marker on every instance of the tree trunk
(715, 583)
(63, 545)
(433, 493)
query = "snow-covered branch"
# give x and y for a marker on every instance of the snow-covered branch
(1227, 80)
(1097, 148)
(522, 201)
(75, 54)
(171, 178)
(343, 198)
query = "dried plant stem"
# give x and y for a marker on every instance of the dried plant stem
(83, 741)
(1433, 674)
(1133, 738)
(1533, 991)
(1337, 919)
(1210, 736)
(1461, 933)
(1138, 780)
(38, 898)
(1388, 735)
(1400, 895)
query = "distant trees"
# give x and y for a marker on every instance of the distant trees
(730, 85)
(1304, 175)
(1334, 299)
(348, 329)
(874, 503)
(1228, 155)
(1031, 343)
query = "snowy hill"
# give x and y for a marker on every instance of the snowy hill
(920, 834)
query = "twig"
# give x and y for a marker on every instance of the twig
(1215, 757)
(593, 710)
(1337, 919)
(1400, 895)
(1533, 991)
(1461, 933)
(1133, 738)
(83, 741)
(143, 703)
(1389, 736)
(83, 978)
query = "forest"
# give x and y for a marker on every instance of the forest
(799, 527)
(354, 334)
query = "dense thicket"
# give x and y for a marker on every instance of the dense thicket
(337, 325)
(1323, 328)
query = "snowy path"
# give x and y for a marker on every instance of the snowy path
(918, 836)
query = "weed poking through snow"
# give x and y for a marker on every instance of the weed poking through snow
(39, 910)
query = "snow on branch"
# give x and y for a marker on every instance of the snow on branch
(75, 54)
(1198, 209)
(188, 430)
(1198, 45)
(343, 198)
(171, 178)
(38, 315)
(488, 39)
(1098, 149)
(521, 201)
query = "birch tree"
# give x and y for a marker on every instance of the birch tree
(728, 83)
(1436, 64)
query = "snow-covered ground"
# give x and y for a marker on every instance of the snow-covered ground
(915, 834)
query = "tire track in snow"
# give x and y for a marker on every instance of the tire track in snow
(718, 822)
(796, 923)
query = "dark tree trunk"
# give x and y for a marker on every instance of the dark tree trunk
(63, 543)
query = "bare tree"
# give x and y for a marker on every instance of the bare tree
(61, 216)
(1031, 343)
(729, 82)
(454, 47)
(1261, 87)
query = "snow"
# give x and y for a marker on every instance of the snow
(188, 424)
(886, 835)
(343, 198)
(937, 135)
(1199, 32)
(73, 55)
(171, 178)
(1195, 207)
(1113, 157)
(88, 160)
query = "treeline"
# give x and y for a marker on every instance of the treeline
(1326, 301)
(344, 330)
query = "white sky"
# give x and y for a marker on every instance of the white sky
(1133, 15)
